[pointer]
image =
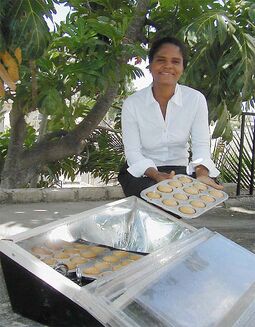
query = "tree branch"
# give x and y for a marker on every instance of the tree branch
(34, 87)
(74, 142)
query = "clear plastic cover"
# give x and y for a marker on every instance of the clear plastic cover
(204, 280)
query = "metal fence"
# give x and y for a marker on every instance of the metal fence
(240, 164)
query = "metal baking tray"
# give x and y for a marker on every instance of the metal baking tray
(184, 193)
(86, 259)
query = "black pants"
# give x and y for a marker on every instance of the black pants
(135, 185)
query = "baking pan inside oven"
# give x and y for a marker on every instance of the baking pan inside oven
(96, 242)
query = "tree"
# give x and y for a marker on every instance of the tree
(78, 71)
(112, 39)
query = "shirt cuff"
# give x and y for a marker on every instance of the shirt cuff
(138, 168)
(208, 163)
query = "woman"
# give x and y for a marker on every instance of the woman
(158, 122)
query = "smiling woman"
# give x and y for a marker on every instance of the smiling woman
(158, 122)
(166, 67)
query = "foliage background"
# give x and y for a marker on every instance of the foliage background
(73, 74)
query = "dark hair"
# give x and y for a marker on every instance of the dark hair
(156, 45)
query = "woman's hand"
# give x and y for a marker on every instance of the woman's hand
(157, 175)
(210, 182)
(202, 174)
(162, 176)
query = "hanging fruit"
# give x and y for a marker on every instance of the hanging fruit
(11, 64)
(18, 55)
(6, 78)
(9, 68)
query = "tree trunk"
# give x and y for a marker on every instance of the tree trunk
(18, 173)
(13, 175)
(41, 133)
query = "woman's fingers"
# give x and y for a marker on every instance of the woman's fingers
(171, 175)
(168, 175)
(161, 176)
(210, 182)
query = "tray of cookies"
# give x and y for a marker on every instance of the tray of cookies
(92, 259)
(184, 196)
(107, 263)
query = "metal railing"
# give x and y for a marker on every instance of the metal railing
(251, 187)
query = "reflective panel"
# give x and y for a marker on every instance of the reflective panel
(130, 224)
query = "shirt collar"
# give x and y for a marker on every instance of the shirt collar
(176, 98)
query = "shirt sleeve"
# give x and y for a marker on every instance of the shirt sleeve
(200, 140)
(132, 142)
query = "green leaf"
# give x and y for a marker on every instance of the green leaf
(228, 133)
(28, 28)
(52, 102)
(235, 107)
(221, 123)
(211, 32)
(234, 74)
(251, 12)
(104, 28)
(222, 29)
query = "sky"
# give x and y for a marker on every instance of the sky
(62, 11)
(142, 82)
(139, 83)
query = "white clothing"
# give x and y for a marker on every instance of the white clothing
(151, 141)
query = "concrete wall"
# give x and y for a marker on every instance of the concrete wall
(73, 194)
(60, 194)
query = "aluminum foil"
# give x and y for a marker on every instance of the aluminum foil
(130, 224)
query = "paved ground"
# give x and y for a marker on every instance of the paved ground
(235, 220)
(17, 218)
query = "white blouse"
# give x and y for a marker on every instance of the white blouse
(151, 141)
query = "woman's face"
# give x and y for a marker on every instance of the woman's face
(167, 65)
